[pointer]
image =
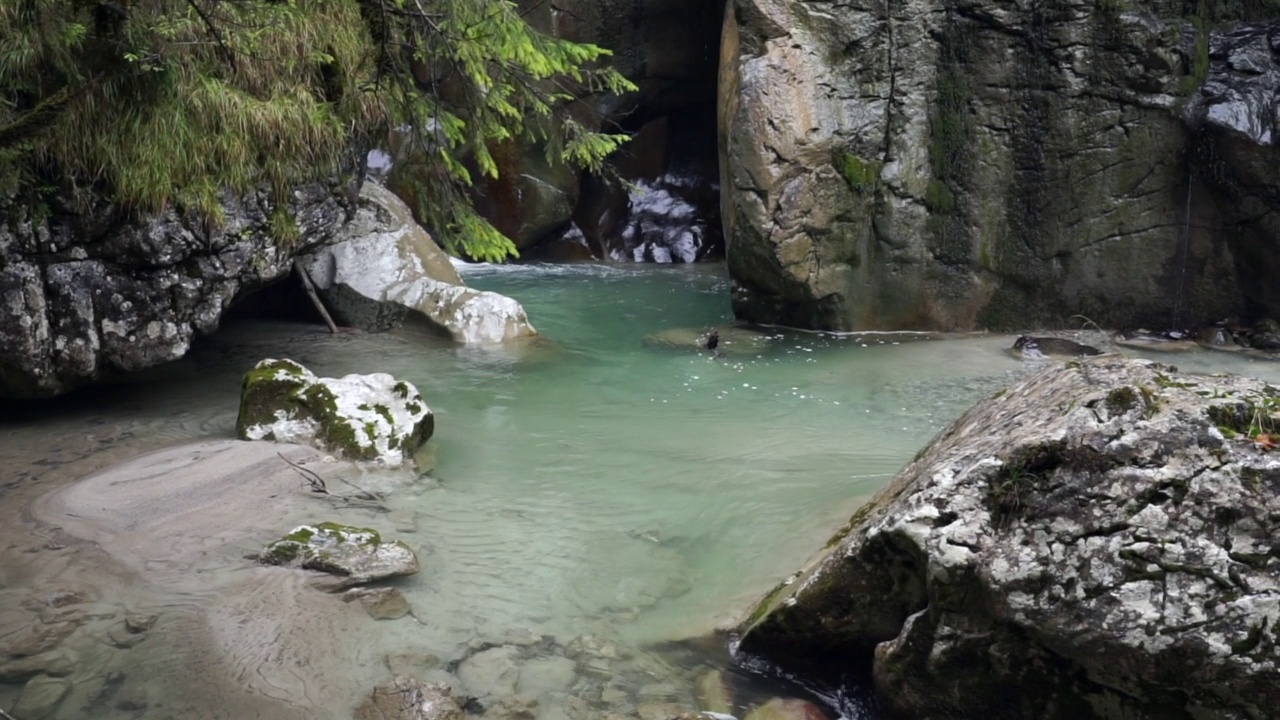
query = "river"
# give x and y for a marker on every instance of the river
(593, 482)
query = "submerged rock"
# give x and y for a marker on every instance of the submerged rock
(362, 417)
(40, 697)
(357, 555)
(1041, 348)
(382, 268)
(1097, 541)
(381, 603)
(405, 698)
(786, 709)
(733, 340)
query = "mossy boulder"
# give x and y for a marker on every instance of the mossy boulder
(357, 555)
(361, 417)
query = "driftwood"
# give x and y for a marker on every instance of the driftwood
(311, 293)
(318, 485)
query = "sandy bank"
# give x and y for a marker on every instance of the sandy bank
(144, 579)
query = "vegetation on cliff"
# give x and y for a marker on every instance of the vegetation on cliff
(155, 102)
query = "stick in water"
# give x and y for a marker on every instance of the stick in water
(311, 293)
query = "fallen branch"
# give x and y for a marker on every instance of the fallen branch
(311, 293)
(318, 485)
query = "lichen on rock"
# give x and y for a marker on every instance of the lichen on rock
(362, 417)
(358, 555)
(1090, 543)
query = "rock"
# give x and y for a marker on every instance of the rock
(58, 663)
(1235, 156)
(490, 674)
(713, 693)
(786, 709)
(382, 268)
(89, 290)
(544, 675)
(356, 555)
(1142, 339)
(122, 637)
(362, 417)
(512, 707)
(36, 639)
(734, 340)
(1266, 335)
(1040, 348)
(140, 623)
(1097, 541)
(40, 697)
(415, 665)
(407, 699)
(111, 685)
(985, 165)
(380, 603)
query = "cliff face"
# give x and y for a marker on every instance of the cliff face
(956, 164)
(87, 294)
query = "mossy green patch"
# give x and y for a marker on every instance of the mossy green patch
(1121, 400)
(861, 175)
(270, 387)
(335, 431)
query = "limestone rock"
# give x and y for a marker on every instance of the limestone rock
(932, 165)
(1234, 117)
(40, 697)
(407, 699)
(1096, 541)
(490, 674)
(383, 268)
(95, 291)
(380, 603)
(363, 417)
(356, 555)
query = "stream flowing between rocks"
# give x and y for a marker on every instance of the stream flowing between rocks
(600, 502)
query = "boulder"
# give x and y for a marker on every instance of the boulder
(357, 555)
(382, 268)
(405, 698)
(93, 291)
(361, 417)
(941, 165)
(1041, 348)
(1098, 541)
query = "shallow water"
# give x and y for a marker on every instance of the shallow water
(590, 483)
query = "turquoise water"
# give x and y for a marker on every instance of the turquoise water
(593, 482)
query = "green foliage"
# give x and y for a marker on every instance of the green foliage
(156, 102)
(1199, 69)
